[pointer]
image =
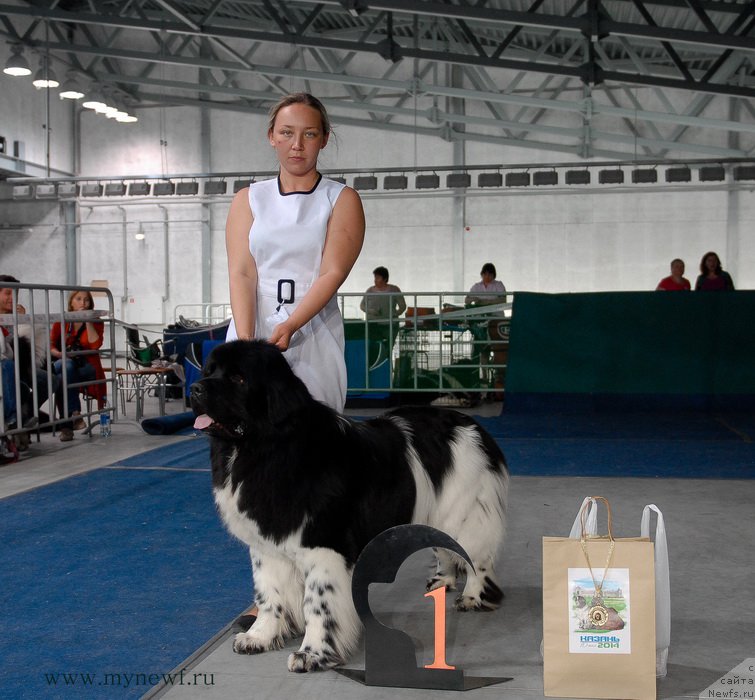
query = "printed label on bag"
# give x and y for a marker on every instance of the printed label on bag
(599, 624)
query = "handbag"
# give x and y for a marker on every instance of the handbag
(79, 361)
(662, 578)
(598, 614)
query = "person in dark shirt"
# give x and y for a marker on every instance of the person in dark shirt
(712, 278)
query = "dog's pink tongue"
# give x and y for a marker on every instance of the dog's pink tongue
(203, 421)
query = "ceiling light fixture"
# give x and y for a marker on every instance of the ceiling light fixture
(23, 191)
(45, 77)
(215, 187)
(395, 182)
(614, 176)
(577, 177)
(164, 188)
(92, 189)
(489, 180)
(139, 189)
(427, 182)
(517, 179)
(744, 172)
(190, 188)
(17, 65)
(681, 173)
(458, 180)
(712, 173)
(95, 101)
(365, 182)
(71, 89)
(644, 175)
(47, 190)
(545, 177)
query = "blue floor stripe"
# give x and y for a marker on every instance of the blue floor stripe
(691, 445)
(122, 572)
(193, 453)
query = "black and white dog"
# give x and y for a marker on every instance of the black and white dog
(307, 489)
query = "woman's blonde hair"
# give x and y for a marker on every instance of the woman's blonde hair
(299, 98)
(88, 295)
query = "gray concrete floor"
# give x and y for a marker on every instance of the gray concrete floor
(711, 534)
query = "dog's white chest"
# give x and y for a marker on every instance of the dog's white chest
(241, 525)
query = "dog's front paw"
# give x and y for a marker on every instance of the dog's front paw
(248, 643)
(465, 603)
(305, 661)
(441, 581)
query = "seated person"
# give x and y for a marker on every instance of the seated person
(79, 335)
(28, 361)
(676, 281)
(493, 290)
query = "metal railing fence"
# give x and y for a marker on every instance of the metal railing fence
(43, 306)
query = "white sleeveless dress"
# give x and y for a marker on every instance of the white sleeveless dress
(286, 240)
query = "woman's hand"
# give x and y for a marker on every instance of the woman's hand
(281, 336)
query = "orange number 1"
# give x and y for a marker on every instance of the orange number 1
(439, 598)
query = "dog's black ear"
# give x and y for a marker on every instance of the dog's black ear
(286, 393)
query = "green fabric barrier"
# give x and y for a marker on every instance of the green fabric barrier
(633, 343)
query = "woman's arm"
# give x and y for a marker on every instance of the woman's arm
(400, 303)
(94, 335)
(55, 340)
(343, 242)
(242, 270)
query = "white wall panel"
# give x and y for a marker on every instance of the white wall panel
(540, 241)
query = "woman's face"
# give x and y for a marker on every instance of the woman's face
(711, 263)
(677, 268)
(80, 301)
(487, 277)
(298, 138)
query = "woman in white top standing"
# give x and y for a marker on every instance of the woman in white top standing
(291, 243)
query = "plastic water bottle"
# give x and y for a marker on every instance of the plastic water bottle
(105, 430)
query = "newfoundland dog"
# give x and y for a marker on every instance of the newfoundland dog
(306, 489)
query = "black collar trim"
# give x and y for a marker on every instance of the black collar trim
(286, 194)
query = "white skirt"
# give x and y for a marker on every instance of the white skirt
(316, 351)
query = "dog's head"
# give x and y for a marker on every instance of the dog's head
(246, 386)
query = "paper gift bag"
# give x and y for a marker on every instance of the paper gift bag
(662, 579)
(599, 616)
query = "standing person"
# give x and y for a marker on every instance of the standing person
(382, 307)
(712, 278)
(79, 335)
(676, 281)
(383, 304)
(488, 283)
(291, 242)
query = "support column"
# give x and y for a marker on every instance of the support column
(731, 254)
(205, 139)
(456, 106)
(68, 219)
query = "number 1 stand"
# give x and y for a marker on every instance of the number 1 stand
(389, 654)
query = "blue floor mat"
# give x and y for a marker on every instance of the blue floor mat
(691, 445)
(113, 572)
(193, 453)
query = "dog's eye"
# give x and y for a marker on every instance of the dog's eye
(237, 379)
